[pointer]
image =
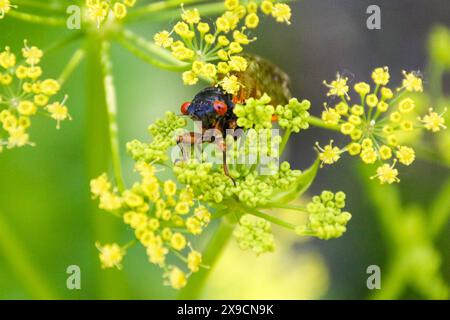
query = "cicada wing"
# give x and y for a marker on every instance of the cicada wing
(261, 77)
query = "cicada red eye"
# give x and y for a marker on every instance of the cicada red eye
(220, 107)
(184, 107)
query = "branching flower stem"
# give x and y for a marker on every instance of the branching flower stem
(270, 218)
(157, 7)
(73, 63)
(288, 206)
(36, 19)
(316, 122)
(136, 46)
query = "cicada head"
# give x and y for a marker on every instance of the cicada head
(209, 106)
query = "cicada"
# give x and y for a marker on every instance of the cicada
(214, 108)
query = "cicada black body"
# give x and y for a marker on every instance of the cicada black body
(214, 107)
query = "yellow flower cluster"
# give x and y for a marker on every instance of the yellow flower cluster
(23, 94)
(111, 255)
(160, 214)
(5, 7)
(377, 122)
(98, 10)
(213, 50)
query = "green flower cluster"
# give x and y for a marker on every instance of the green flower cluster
(253, 143)
(294, 115)
(255, 113)
(209, 184)
(212, 186)
(326, 219)
(255, 234)
(164, 133)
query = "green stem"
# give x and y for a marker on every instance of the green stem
(211, 255)
(133, 43)
(16, 256)
(284, 141)
(52, 6)
(74, 61)
(111, 104)
(270, 218)
(287, 206)
(157, 7)
(32, 18)
(314, 121)
(111, 283)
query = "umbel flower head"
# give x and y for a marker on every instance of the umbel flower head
(255, 234)
(5, 7)
(214, 50)
(378, 122)
(326, 219)
(155, 211)
(24, 94)
(98, 10)
(165, 213)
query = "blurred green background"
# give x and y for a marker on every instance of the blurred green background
(48, 221)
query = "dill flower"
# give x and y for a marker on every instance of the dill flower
(379, 123)
(5, 7)
(281, 12)
(24, 94)
(176, 278)
(194, 260)
(155, 210)
(255, 234)
(433, 121)
(326, 219)
(329, 154)
(98, 10)
(338, 87)
(387, 174)
(110, 255)
(214, 49)
(412, 82)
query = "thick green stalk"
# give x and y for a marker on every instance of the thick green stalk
(111, 105)
(211, 255)
(105, 227)
(15, 254)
